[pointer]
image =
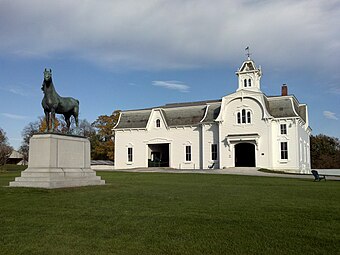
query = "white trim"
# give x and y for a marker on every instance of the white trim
(128, 146)
(157, 140)
(205, 114)
(148, 124)
(120, 114)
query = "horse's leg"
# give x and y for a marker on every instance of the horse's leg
(47, 119)
(68, 122)
(53, 119)
(75, 114)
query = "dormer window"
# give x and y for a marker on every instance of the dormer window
(158, 123)
(244, 117)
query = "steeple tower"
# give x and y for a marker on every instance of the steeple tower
(249, 75)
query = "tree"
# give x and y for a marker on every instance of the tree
(29, 130)
(86, 129)
(60, 126)
(102, 144)
(325, 152)
(5, 149)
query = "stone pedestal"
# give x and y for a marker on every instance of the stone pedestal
(57, 161)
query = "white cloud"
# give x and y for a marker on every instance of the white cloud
(162, 34)
(335, 90)
(175, 85)
(18, 90)
(14, 116)
(330, 115)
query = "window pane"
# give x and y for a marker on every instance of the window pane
(239, 118)
(248, 117)
(243, 116)
(130, 154)
(284, 150)
(214, 152)
(245, 82)
(283, 129)
(188, 153)
(158, 123)
(249, 82)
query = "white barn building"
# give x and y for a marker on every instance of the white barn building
(245, 128)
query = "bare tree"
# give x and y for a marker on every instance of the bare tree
(86, 129)
(27, 133)
(5, 149)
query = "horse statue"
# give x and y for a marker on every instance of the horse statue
(53, 103)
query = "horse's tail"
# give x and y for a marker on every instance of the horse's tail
(77, 106)
(76, 112)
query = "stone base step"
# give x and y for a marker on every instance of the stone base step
(56, 178)
(55, 184)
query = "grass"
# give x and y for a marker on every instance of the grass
(157, 213)
(11, 168)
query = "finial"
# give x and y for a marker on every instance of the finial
(248, 52)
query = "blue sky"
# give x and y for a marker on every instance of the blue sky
(124, 54)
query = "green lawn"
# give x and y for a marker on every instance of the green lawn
(155, 213)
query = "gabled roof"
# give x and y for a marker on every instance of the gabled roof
(280, 107)
(212, 112)
(179, 114)
(303, 112)
(194, 113)
(285, 106)
(134, 119)
(248, 66)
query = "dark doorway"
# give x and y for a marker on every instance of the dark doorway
(158, 155)
(245, 155)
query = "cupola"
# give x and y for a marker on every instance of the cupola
(249, 75)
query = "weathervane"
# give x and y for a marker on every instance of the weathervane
(248, 52)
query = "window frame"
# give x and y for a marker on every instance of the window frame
(130, 154)
(158, 123)
(244, 117)
(214, 151)
(248, 117)
(188, 153)
(284, 150)
(238, 118)
(283, 129)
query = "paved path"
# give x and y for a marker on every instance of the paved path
(250, 171)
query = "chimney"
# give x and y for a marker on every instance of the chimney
(284, 90)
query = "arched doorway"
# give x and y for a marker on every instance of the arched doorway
(245, 155)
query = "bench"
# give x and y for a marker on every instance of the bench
(317, 176)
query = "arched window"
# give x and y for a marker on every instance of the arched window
(158, 123)
(243, 116)
(245, 82)
(249, 82)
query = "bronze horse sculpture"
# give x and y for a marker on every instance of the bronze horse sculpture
(53, 103)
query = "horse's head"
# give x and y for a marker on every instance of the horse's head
(47, 78)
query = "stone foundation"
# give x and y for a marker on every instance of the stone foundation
(58, 161)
